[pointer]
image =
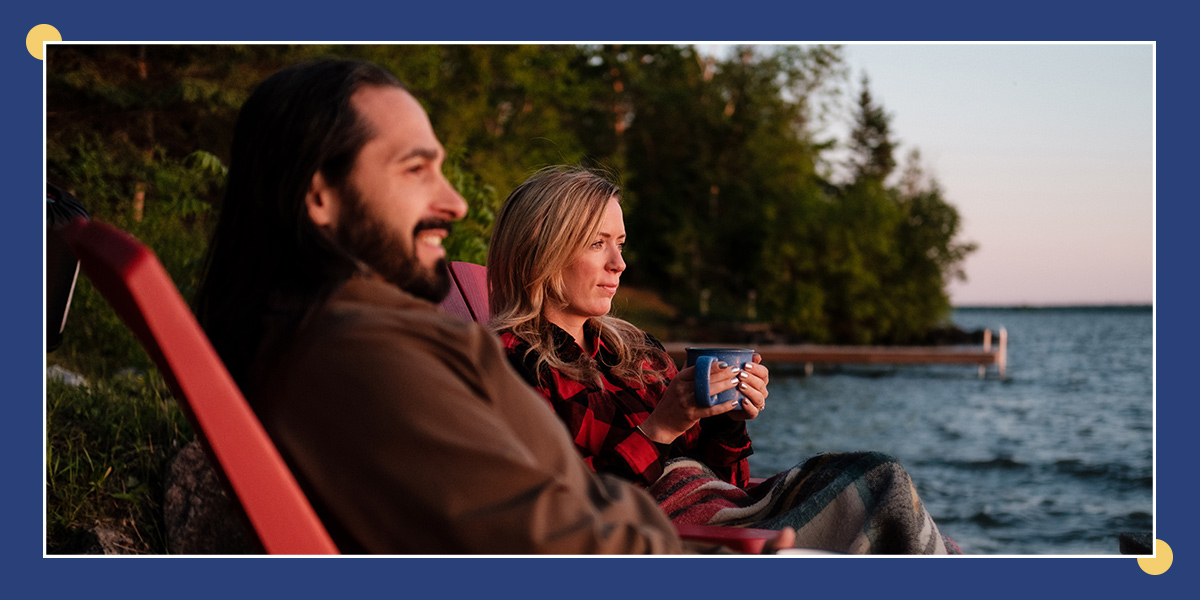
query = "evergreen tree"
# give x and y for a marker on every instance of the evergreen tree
(870, 141)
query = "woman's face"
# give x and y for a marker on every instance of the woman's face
(591, 280)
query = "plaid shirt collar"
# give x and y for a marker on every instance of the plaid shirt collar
(568, 349)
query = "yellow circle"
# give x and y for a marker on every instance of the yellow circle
(1161, 561)
(37, 35)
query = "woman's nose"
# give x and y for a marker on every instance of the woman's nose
(617, 262)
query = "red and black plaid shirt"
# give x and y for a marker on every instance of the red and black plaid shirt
(602, 418)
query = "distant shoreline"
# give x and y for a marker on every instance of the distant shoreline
(1063, 307)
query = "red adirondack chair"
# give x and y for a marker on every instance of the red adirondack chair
(132, 280)
(468, 299)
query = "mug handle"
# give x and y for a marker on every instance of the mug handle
(703, 366)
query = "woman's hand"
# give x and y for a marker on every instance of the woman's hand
(677, 411)
(752, 383)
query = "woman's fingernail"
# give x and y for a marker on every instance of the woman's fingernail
(723, 365)
(734, 382)
(743, 375)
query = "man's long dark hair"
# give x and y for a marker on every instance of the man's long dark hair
(266, 255)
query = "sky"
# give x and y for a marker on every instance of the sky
(1046, 150)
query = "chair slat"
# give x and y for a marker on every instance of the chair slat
(472, 283)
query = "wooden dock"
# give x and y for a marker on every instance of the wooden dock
(809, 354)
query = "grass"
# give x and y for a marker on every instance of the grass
(106, 454)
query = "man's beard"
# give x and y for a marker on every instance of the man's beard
(368, 239)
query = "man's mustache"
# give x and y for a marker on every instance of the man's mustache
(433, 223)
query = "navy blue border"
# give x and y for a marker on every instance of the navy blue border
(221, 20)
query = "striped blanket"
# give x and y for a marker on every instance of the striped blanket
(857, 503)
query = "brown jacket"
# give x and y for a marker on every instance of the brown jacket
(411, 434)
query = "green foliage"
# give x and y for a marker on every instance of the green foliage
(870, 140)
(107, 449)
(177, 195)
(729, 218)
(469, 239)
(509, 109)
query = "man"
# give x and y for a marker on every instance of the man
(404, 425)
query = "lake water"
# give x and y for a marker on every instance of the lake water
(1057, 458)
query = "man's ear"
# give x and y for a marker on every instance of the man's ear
(321, 201)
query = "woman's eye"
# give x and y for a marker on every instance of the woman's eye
(598, 244)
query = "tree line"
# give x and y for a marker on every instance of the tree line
(740, 207)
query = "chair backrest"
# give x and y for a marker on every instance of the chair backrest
(133, 281)
(468, 297)
(454, 303)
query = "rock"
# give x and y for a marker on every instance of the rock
(102, 540)
(57, 373)
(113, 542)
(200, 516)
(1136, 543)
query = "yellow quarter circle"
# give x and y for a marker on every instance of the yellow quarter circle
(37, 35)
(1161, 561)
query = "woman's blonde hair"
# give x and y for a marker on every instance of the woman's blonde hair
(543, 226)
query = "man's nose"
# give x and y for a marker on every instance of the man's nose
(450, 201)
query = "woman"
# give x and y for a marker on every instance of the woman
(554, 264)
(613, 385)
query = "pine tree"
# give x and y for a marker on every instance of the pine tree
(870, 141)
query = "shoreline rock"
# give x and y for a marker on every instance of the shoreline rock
(199, 515)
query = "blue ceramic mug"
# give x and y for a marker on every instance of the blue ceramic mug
(703, 358)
